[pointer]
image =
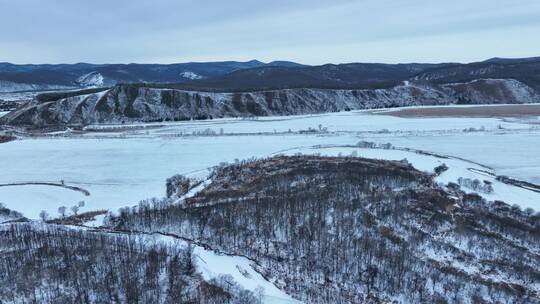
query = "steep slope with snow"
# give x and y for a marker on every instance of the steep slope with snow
(492, 91)
(92, 79)
(525, 70)
(10, 86)
(133, 103)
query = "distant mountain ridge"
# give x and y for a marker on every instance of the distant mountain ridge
(281, 88)
(370, 75)
(330, 76)
(254, 75)
(524, 70)
(83, 75)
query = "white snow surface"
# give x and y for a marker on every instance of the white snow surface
(37, 198)
(212, 264)
(191, 75)
(2, 113)
(97, 222)
(121, 168)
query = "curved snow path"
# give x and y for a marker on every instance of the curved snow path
(31, 199)
(213, 264)
(74, 188)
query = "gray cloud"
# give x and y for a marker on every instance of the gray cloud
(315, 31)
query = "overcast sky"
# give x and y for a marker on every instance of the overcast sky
(306, 31)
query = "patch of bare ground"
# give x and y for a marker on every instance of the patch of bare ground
(6, 138)
(473, 111)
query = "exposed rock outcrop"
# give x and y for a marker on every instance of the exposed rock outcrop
(132, 103)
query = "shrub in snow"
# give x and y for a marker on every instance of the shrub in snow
(476, 185)
(177, 185)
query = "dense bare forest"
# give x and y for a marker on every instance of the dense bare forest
(54, 264)
(352, 230)
(324, 229)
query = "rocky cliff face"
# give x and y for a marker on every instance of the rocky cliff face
(131, 103)
(492, 91)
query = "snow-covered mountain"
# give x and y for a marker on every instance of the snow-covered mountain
(36, 77)
(256, 76)
(191, 75)
(91, 80)
(135, 103)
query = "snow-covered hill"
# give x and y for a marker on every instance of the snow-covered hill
(353, 230)
(132, 103)
(142, 269)
(91, 80)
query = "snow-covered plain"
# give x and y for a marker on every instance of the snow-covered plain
(119, 171)
(120, 167)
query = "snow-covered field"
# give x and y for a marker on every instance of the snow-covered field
(119, 171)
(2, 113)
(120, 167)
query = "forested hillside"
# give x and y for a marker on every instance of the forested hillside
(352, 230)
(53, 264)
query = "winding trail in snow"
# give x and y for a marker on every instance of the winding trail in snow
(243, 269)
(74, 188)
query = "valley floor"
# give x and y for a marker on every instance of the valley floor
(122, 164)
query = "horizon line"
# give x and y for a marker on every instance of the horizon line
(280, 60)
